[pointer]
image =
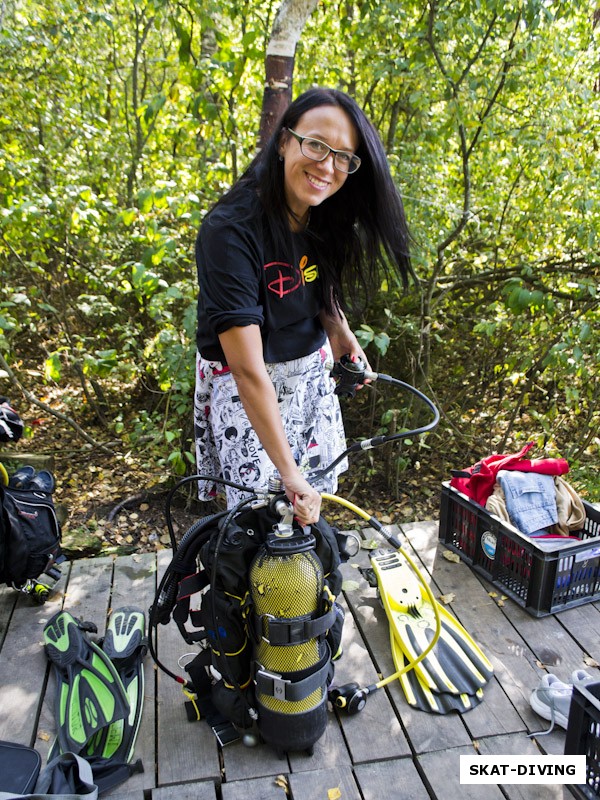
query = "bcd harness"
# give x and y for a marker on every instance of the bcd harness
(268, 624)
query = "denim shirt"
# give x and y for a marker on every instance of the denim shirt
(530, 499)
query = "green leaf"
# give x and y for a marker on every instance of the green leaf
(53, 367)
(382, 342)
(145, 199)
(128, 216)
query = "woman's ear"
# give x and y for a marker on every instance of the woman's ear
(284, 138)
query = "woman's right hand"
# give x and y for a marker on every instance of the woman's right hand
(306, 499)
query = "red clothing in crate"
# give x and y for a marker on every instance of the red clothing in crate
(477, 482)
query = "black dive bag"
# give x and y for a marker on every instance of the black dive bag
(29, 539)
(268, 624)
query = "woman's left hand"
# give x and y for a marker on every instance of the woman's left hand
(343, 341)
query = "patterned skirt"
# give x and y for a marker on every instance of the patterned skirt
(227, 446)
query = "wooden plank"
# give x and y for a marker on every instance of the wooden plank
(317, 784)
(515, 745)
(245, 763)
(87, 595)
(584, 623)
(386, 738)
(8, 600)
(442, 771)
(329, 751)
(13, 460)
(204, 790)
(23, 670)
(395, 778)
(255, 789)
(134, 583)
(554, 645)
(551, 743)
(183, 748)
(23, 664)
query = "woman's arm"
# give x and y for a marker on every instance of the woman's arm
(244, 354)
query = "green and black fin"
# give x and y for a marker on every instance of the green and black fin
(89, 692)
(125, 644)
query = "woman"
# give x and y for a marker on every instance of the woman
(315, 217)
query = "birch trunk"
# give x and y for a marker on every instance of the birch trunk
(279, 62)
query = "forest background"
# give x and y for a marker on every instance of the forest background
(120, 125)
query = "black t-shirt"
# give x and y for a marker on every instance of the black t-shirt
(245, 280)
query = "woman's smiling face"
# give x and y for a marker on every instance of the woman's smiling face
(307, 182)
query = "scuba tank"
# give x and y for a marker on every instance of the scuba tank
(293, 610)
(267, 622)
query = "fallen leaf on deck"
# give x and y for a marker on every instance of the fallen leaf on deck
(350, 586)
(45, 737)
(590, 662)
(282, 781)
(334, 794)
(450, 556)
(369, 544)
(446, 599)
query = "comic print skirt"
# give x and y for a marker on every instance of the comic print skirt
(227, 446)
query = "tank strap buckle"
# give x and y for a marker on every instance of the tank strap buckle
(275, 685)
(258, 620)
(278, 685)
(296, 630)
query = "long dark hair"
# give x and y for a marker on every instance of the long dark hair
(361, 229)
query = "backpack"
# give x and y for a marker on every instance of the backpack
(30, 537)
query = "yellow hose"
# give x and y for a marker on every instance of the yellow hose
(438, 622)
(3, 474)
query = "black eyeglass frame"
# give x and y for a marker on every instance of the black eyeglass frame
(353, 157)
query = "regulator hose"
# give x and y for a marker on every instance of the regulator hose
(348, 371)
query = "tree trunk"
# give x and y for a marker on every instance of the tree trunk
(279, 62)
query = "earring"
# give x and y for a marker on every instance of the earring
(280, 157)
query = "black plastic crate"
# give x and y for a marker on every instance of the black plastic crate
(583, 738)
(541, 581)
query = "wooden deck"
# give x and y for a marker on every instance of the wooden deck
(387, 751)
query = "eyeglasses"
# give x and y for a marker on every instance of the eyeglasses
(317, 150)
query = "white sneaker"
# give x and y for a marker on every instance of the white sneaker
(552, 700)
(580, 678)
